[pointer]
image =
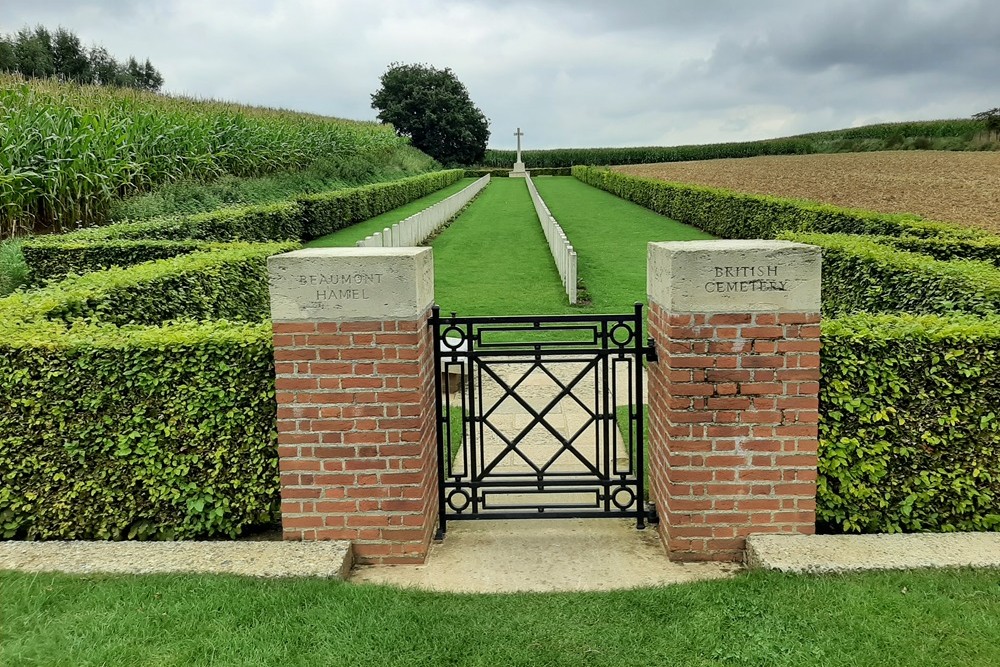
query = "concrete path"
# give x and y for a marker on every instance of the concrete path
(856, 553)
(544, 555)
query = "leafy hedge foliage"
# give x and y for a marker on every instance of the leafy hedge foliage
(52, 257)
(497, 172)
(859, 274)
(985, 249)
(910, 424)
(325, 213)
(958, 134)
(281, 221)
(735, 215)
(229, 282)
(115, 433)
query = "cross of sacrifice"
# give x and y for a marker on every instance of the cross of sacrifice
(519, 134)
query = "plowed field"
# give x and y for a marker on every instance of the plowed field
(938, 185)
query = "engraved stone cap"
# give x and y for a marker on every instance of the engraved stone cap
(351, 284)
(734, 276)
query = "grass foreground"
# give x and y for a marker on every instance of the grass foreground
(886, 619)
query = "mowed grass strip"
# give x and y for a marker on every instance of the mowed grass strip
(494, 260)
(609, 235)
(351, 235)
(929, 618)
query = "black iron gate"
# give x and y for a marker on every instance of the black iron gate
(527, 414)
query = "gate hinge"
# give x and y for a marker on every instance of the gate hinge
(651, 516)
(651, 350)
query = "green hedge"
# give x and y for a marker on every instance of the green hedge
(951, 134)
(985, 249)
(910, 424)
(52, 257)
(860, 274)
(281, 221)
(735, 215)
(498, 172)
(229, 282)
(325, 213)
(145, 433)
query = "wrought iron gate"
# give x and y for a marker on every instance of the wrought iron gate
(527, 416)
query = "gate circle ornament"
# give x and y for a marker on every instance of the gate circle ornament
(616, 495)
(463, 501)
(621, 334)
(453, 338)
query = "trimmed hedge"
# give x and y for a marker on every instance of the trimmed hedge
(985, 249)
(735, 215)
(860, 274)
(136, 433)
(952, 134)
(324, 213)
(280, 221)
(497, 172)
(49, 258)
(229, 282)
(910, 424)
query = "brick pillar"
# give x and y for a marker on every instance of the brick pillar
(354, 380)
(733, 399)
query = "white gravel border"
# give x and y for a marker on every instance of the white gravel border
(857, 553)
(331, 559)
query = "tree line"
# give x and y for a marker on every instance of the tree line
(40, 53)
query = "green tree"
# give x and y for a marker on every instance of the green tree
(33, 49)
(8, 57)
(70, 58)
(432, 108)
(991, 120)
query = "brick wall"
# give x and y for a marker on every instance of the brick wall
(733, 428)
(356, 435)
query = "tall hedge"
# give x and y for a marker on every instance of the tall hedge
(115, 433)
(945, 248)
(50, 258)
(860, 274)
(228, 282)
(736, 215)
(910, 424)
(324, 213)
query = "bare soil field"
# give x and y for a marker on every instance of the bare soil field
(938, 185)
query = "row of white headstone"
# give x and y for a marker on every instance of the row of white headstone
(415, 229)
(559, 245)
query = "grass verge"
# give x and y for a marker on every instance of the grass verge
(350, 235)
(887, 619)
(13, 270)
(610, 237)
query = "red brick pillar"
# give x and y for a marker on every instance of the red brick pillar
(354, 380)
(733, 399)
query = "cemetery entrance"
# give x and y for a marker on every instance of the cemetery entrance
(540, 417)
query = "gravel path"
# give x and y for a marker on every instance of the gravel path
(250, 558)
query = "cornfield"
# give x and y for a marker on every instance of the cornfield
(67, 151)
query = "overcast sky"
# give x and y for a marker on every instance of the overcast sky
(572, 72)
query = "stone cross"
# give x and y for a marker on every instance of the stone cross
(519, 134)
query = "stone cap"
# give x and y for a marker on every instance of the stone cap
(734, 276)
(351, 284)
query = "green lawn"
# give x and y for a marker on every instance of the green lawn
(914, 618)
(493, 260)
(609, 235)
(351, 235)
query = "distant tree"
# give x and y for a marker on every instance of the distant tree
(432, 108)
(38, 53)
(70, 58)
(991, 120)
(8, 58)
(33, 50)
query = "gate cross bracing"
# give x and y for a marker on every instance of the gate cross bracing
(527, 416)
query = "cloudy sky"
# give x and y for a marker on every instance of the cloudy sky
(572, 72)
